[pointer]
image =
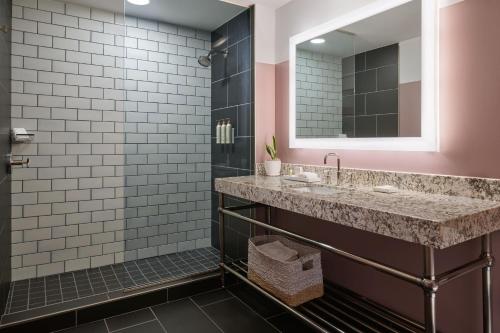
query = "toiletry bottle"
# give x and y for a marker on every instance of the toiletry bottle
(223, 133)
(217, 132)
(229, 131)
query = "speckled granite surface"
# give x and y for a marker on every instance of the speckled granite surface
(473, 187)
(427, 217)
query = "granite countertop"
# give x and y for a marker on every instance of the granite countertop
(430, 219)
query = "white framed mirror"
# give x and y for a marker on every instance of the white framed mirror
(367, 80)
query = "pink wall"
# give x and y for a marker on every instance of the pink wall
(264, 108)
(470, 135)
(459, 303)
(409, 109)
(469, 94)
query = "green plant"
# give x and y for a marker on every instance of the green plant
(272, 149)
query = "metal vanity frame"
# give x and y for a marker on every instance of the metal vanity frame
(430, 282)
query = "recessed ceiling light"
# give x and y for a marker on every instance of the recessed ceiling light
(317, 41)
(139, 2)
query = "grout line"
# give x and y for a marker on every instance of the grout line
(106, 324)
(45, 290)
(28, 298)
(231, 76)
(139, 268)
(127, 313)
(206, 315)
(135, 325)
(116, 276)
(276, 315)
(159, 322)
(162, 265)
(76, 285)
(60, 288)
(152, 269)
(218, 301)
(128, 272)
(90, 283)
(248, 306)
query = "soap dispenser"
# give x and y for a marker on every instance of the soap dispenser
(217, 132)
(229, 131)
(223, 133)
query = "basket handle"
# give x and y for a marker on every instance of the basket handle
(307, 265)
(274, 259)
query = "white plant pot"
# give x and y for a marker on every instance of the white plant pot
(273, 168)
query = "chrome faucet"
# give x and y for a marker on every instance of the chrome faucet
(325, 160)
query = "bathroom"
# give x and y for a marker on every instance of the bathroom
(137, 178)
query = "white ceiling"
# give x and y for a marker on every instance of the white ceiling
(390, 27)
(200, 14)
(268, 3)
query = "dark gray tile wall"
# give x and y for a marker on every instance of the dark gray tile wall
(5, 230)
(233, 98)
(370, 93)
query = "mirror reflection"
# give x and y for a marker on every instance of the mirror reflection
(363, 80)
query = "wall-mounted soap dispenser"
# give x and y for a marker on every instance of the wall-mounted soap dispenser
(229, 132)
(224, 132)
(217, 132)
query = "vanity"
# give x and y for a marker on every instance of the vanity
(356, 85)
(433, 211)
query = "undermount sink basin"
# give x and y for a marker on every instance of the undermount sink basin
(318, 189)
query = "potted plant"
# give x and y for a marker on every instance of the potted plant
(273, 166)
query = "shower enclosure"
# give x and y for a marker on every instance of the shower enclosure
(123, 101)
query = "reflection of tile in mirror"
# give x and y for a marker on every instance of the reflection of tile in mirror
(348, 85)
(360, 104)
(387, 77)
(360, 62)
(365, 81)
(348, 105)
(318, 94)
(366, 126)
(347, 66)
(387, 125)
(382, 102)
(384, 56)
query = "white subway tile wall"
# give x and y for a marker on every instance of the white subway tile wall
(120, 164)
(318, 94)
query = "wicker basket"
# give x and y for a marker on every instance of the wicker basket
(294, 282)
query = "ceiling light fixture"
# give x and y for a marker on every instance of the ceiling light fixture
(139, 2)
(317, 41)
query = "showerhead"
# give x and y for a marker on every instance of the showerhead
(205, 60)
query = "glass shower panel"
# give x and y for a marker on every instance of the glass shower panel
(167, 149)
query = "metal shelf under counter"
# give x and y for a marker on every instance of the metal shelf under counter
(339, 310)
(344, 311)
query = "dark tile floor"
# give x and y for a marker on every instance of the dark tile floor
(237, 309)
(55, 289)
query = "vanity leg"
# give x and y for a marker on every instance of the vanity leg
(429, 292)
(486, 253)
(221, 238)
